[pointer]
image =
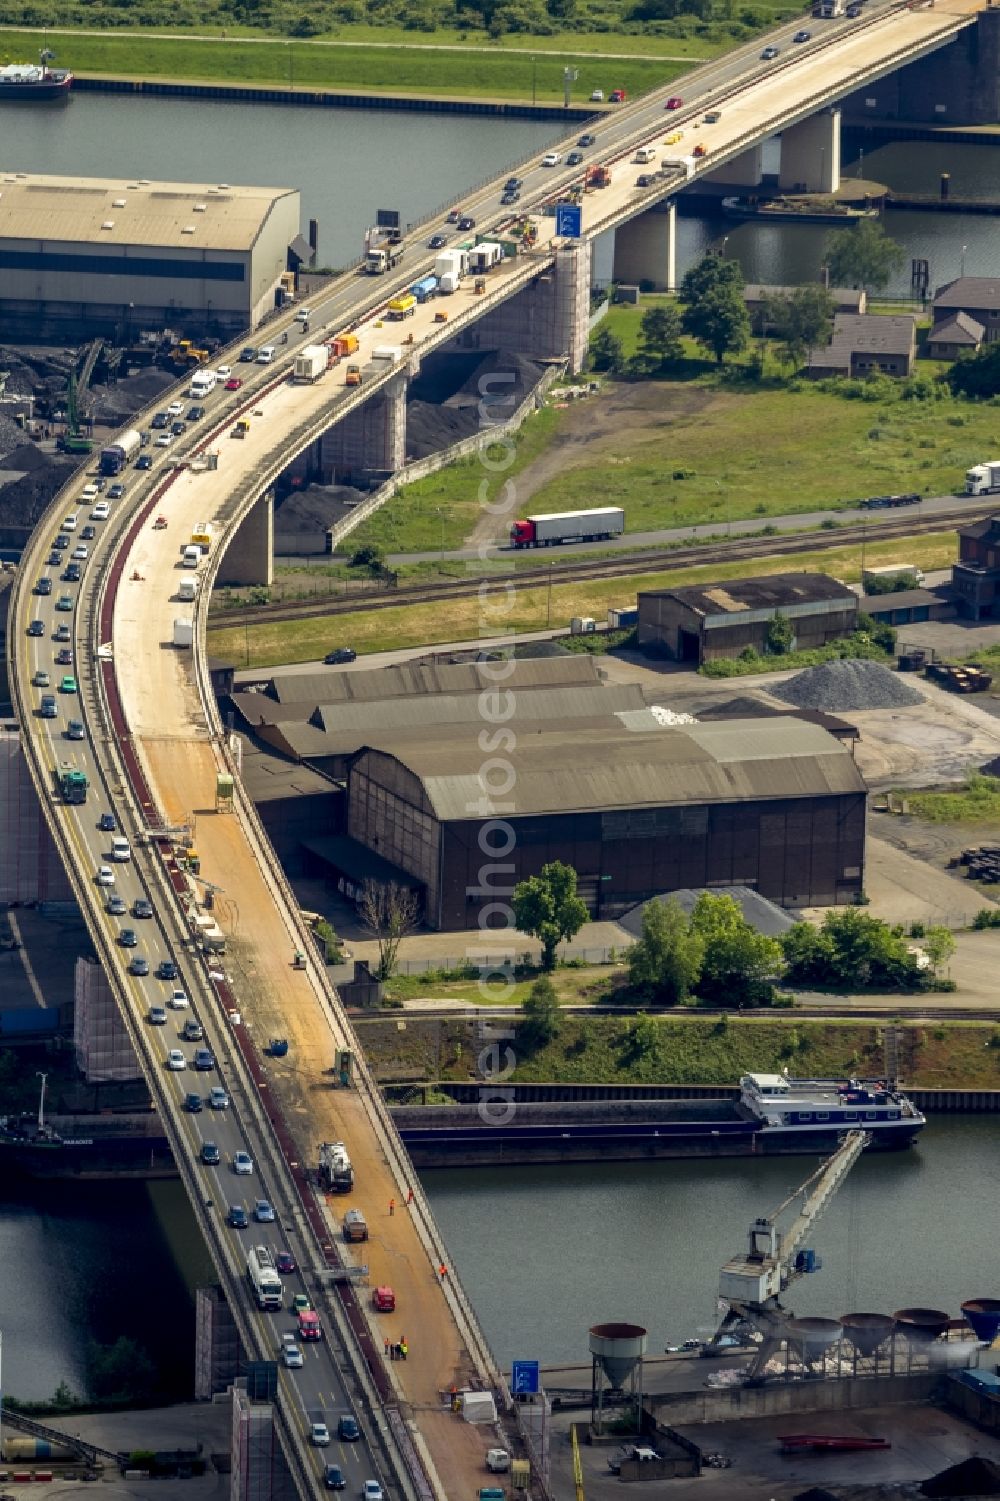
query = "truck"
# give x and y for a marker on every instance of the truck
(598, 177)
(485, 256)
(73, 784)
(213, 940)
(449, 268)
(403, 306)
(117, 454)
(884, 580)
(382, 257)
(311, 363)
(204, 382)
(187, 588)
(183, 632)
(343, 345)
(683, 164)
(386, 354)
(425, 288)
(983, 479)
(355, 1227)
(353, 377)
(336, 1175)
(263, 1278)
(568, 526)
(201, 535)
(309, 1324)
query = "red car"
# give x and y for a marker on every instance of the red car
(233, 383)
(674, 102)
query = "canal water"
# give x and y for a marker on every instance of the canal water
(543, 1252)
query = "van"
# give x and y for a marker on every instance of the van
(265, 355)
(645, 154)
(70, 521)
(190, 557)
(203, 383)
(120, 848)
(303, 315)
(187, 588)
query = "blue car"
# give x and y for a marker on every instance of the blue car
(203, 1059)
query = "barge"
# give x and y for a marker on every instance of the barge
(34, 83)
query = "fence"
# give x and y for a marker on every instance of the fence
(488, 959)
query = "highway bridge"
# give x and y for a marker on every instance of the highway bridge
(158, 757)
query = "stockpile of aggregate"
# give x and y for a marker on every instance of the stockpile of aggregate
(113, 405)
(489, 394)
(848, 684)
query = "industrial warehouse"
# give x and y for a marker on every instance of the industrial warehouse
(82, 257)
(599, 778)
(704, 622)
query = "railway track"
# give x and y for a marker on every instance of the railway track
(620, 566)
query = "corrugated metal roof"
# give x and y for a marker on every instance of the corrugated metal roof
(75, 211)
(527, 704)
(770, 591)
(567, 770)
(408, 678)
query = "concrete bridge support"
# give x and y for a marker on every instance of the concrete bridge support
(810, 154)
(744, 171)
(546, 320)
(370, 442)
(646, 248)
(249, 557)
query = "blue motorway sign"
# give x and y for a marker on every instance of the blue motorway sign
(524, 1378)
(569, 221)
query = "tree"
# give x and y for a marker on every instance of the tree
(862, 256)
(547, 907)
(714, 312)
(389, 911)
(850, 950)
(779, 637)
(740, 964)
(977, 375)
(799, 321)
(643, 1039)
(939, 945)
(540, 1015)
(606, 352)
(660, 334)
(666, 961)
(122, 1372)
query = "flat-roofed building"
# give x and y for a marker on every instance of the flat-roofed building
(81, 257)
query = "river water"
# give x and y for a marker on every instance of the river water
(548, 1251)
(543, 1252)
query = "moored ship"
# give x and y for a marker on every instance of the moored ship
(34, 82)
(817, 1112)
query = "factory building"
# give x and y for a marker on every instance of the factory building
(775, 804)
(707, 621)
(88, 257)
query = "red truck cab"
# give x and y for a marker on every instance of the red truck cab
(618, 96)
(384, 1300)
(522, 534)
(309, 1325)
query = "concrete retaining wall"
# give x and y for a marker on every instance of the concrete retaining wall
(730, 1403)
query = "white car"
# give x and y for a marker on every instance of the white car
(291, 1356)
(176, 1060)
(90, 492)
(105, 875)
(178, 1000)
(371, 1491)
(597, 97)
(224, 372)
(164, 440)
(175, 409)
(551, 159)
(101, 511)
(81, 553)
(242, 1164)
(319, 1433)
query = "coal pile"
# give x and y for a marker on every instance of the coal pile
(848, 684)
(114, 405)
(439, 414)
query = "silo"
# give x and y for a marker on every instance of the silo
(920, 1325)
(983, 1316)
(616, 1352)
(813, 1337)
(867, 1332)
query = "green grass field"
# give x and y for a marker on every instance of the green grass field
(528, 608)
(410, 69)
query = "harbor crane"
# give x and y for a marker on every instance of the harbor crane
(751, 1285)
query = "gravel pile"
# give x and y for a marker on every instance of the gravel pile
(848, 684)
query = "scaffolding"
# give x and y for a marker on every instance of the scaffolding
(218, 1351)
(30, 868)
(104, 1051)
(259, 1470)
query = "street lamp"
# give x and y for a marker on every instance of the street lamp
(570, 75)
(534, 70)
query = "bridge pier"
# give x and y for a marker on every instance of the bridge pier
(547, 320)
(259, 1469)
(810, 154)
(743, 171)
(370, 442)
(249, 558)
(646, 248)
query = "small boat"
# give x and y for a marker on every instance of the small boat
(829, 1443)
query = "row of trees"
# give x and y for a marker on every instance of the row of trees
(710, 308)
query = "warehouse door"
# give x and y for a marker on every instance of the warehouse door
(688, 646)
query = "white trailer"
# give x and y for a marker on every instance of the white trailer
(891, 574)
(548, 530)
(187, 588)
(684, 164)
(311, 363)
(183, 632)
(984, 479)
(485, 256)
(387, 354)
(263, 1277)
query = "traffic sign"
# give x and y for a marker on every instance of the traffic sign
(569, 221)
(524, 1378)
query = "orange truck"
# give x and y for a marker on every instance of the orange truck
(598, 177)
(343, 345)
